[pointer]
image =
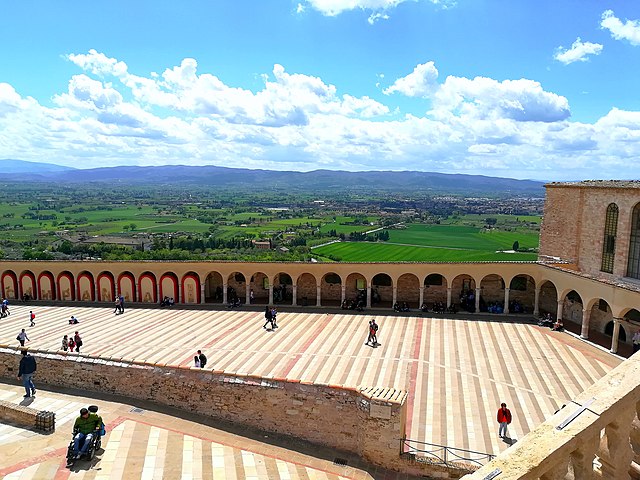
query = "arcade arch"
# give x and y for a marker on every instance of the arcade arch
(409, 290)
(213, 286)
(435, 290)
(382, 290)
(331, 290)
(306, 290)
(463, 292)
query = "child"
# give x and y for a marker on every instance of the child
(72, 344)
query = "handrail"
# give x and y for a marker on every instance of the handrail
(447, 456)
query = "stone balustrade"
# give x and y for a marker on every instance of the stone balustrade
(597, 443)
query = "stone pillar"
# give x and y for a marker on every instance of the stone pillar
(616, 334)
(158, 291)
(224, 293)
(318, 296)
(202, 292)
(395, 295)
(368, 296)
(180, 295)
(615, 451)
(96, 288)
(478, 292)
(557, 472)
(506, 299)
(294, 300)
(586, 315)
(559, 310)
(421, 301)
(536, 302)
(247, 293)
(582, 458)
(343, 294)
(448, 297)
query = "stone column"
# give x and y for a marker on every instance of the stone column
(294, 300)
(180, 295)
(224, 293)
(586, 315)
(395, 295)
(559, 309)
(478, 292)
(536, 302)
(616, 334)
(582, 458)
(368, 296)
(506, 299)
(615, 451)
(448, 297)
(557, 472)
(421, 301)
(343, 294)
(96, 289)
(202, 291)
(158, 291)
(318, 296)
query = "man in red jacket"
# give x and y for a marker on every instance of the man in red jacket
(504, 419)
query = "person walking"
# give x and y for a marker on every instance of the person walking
(373, 333)
(117, 303)
(274, 314)
(78, 341)
(196, 361)
(65, 343)
(25, 373)
(32, 318)
(268, 316)
(22, 336)
(121, 298)
(203, 358)
(636, 341)
(504, 419)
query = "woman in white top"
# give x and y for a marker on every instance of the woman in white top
(196, 361)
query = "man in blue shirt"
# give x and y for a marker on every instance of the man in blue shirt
(25, 373)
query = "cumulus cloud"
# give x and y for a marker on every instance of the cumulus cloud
(628, 30)
(110, 116)
(485, 98)
(420, 83)
(579, 52)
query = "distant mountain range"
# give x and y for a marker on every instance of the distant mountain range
(317, 180)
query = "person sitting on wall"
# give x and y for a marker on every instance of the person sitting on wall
(172, 302)
(345, 304)
(405, 307)
(396, 307)
(424, 308)
(558, 326)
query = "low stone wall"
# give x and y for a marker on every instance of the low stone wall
(369, 422)
(27, 417)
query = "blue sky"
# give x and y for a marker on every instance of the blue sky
(525, 89)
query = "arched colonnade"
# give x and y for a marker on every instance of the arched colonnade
(498, 287)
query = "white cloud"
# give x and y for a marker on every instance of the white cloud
(419, 83)
(300, 8)
(378, 8)
(629, 30)
(485, 98)
(578, 52)
(300, 122)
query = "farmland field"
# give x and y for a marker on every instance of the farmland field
(433, 243)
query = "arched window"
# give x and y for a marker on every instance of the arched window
(609, 241)
(633, 263)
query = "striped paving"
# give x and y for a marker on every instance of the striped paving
(457, 371)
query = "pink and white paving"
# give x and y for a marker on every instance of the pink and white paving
(457, 372)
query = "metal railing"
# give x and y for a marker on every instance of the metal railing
(447, 456)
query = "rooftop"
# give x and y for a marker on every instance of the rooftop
(597, 184)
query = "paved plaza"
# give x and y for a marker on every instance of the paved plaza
(457, 372)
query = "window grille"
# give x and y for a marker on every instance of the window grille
(609, 240)
(633, 263)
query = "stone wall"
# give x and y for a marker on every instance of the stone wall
(573, 225)
(26, 416)
(368, 422)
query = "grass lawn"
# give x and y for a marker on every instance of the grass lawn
(382, 252)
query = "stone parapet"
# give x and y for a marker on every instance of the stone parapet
(369, 422)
